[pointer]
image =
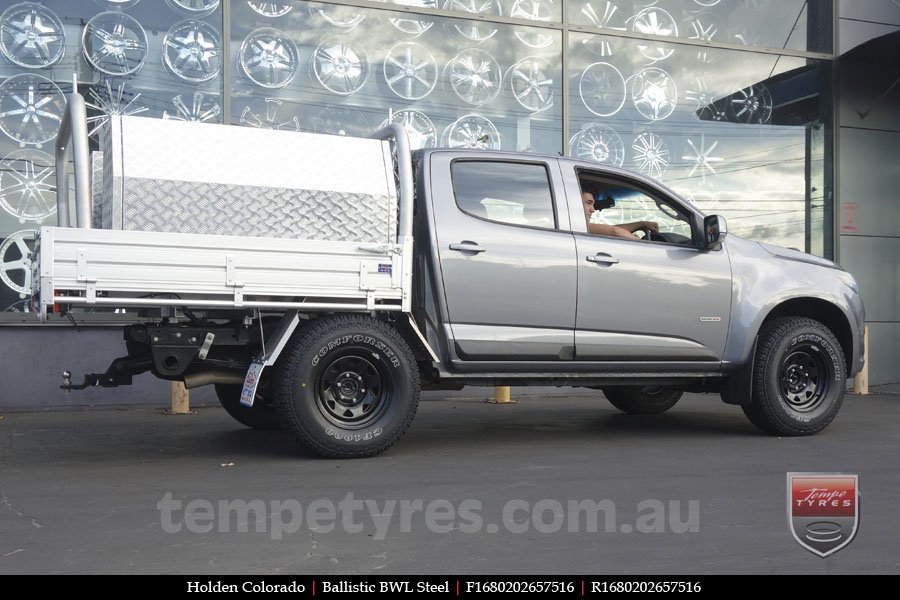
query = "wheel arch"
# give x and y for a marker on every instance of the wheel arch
(736, 388)
(823, 311)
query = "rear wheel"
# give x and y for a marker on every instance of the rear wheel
(798, 378)
(261, 415)
(348, 387)
(642, 400)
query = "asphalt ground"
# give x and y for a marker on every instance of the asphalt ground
(472, 488)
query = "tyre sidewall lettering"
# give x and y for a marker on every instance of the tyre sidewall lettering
(818, 343)
(353, 436)
(338, 342)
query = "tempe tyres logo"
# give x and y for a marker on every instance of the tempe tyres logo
(823, 510)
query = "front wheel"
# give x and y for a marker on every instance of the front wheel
(642, 400)
(798, 378)
(348, 387)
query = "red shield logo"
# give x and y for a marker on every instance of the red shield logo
(823, 510)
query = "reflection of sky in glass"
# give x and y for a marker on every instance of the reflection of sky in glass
(751, 173)
(521, 127)
(770, 23)
(520, 184)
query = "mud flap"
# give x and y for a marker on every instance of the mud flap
(286, 328)
(738, 389)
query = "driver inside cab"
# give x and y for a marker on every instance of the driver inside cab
(623, 230)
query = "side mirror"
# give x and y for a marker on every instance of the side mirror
(714, 231)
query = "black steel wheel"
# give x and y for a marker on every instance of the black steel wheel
(347, 387)
(642, 400)
(798, 378)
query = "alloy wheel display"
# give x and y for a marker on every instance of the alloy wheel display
(343, 17)
(28, 185)
(474, 76)
(410, 70)
(115, 44)
(15, 261)
(602, 89)
(341, 120)
(598, 143)
(31, 108)
(122, 4)
(192, 51)
(268, 57)
(654, 93)
(472, 131)
(699, 155)
(195, 107)
(194, 8)
(340, 66)
(531, 81)
(267, 113)
(698, 93)
(412, 26)
(31, 36)
(270, 9)
(705, 27)
(475, 30)
(534, 10)
(113, 102)
(419, 128)
(600, 13)
(655, 21)
(651, 154)
(752, 104)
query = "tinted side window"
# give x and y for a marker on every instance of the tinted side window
(622, 204)
(514, 193)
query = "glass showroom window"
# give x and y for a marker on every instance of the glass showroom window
(742, 133)
(451, 82)
(790, 24)
(732, 131)
(153, 58)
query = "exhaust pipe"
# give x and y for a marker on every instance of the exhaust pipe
(195, 380)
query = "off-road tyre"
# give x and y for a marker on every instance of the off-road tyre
(261, 415)
(347, 386)
(642, 400)
(798, 378)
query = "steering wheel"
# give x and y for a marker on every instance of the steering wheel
(646, 235)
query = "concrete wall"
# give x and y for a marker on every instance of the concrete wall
(34, 358)
(868, 172)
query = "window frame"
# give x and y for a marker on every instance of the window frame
(540, 163)
(655, 194)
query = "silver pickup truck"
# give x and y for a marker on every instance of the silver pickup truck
(431, 269)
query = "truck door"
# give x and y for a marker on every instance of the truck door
(507, 257)
(656, 299)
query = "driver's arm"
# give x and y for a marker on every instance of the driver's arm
(611, 230)
(651, 226)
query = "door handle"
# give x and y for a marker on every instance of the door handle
(602, 258)
(467, 246)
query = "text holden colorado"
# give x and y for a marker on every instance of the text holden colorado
(247, 586)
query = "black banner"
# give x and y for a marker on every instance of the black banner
(568, 586)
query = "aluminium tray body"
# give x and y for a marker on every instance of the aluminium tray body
(98, 267)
